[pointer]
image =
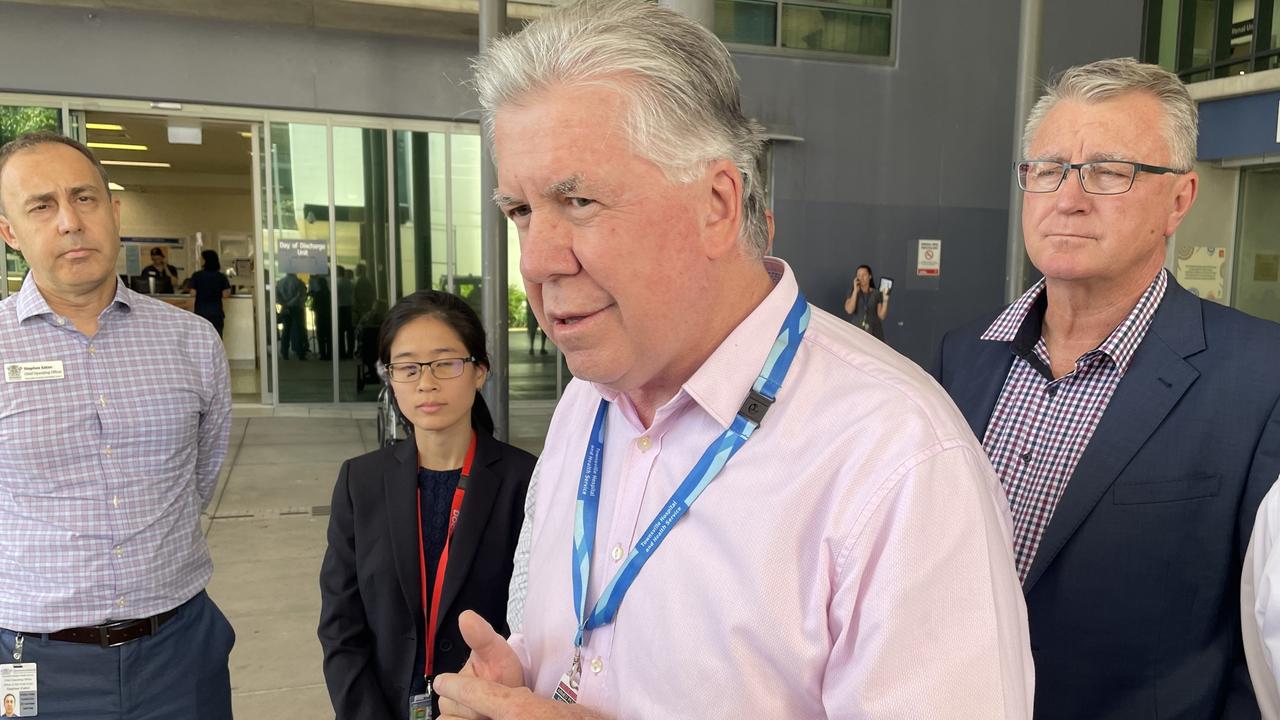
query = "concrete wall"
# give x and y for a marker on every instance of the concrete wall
(922, 150)
(891, 154)
(116, 53)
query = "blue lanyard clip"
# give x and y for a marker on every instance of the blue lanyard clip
(755, 406)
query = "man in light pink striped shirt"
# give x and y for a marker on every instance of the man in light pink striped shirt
(852, 560)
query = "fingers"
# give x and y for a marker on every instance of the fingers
(472, 697)
(486, 644)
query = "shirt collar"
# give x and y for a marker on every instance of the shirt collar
(30, 302)
(1022, 322)
(720, 385)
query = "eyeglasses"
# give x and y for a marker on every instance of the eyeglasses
(442, 369)
(1098, 177)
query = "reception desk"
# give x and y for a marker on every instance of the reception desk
(238, 336)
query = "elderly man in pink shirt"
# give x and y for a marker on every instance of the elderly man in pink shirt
(714, 533)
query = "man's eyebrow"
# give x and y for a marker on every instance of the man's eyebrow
(568, 186)
(83, 189)
(561, 188)
(41, 198)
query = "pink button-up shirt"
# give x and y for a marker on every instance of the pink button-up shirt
(851, 561)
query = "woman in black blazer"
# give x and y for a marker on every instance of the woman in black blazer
(393, 510)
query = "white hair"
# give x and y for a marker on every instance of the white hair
(1107, 79)
(684, 108)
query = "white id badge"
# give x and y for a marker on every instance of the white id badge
(18, 690)
(33, 371)
(420, 706)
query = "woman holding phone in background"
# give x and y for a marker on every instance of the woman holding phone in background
(424, 529)
(866, 303)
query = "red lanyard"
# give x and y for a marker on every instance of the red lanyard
(438, 589)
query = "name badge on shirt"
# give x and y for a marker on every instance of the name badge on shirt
(18, 690)
(31, 371)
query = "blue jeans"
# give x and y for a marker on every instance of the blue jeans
(180, 672)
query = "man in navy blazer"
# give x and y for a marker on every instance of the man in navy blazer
(1134, 427)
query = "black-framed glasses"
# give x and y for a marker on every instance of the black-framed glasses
(1097, 177)
(442, 369)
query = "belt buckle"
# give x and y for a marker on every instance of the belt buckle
(104, 632)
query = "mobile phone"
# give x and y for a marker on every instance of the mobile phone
(886, 284)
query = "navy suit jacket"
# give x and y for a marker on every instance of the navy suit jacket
(1134, 594)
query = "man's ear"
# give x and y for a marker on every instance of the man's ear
(6, 232)
(724, 189)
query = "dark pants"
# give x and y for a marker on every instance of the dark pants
(346, 332)
(180, 672)
(295, 332)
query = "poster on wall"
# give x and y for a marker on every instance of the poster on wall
(929, 258)
(304, 256)
(1202, 270)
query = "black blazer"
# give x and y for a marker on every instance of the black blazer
(370, 596)
(1134, 594)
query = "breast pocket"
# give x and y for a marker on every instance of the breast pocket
(1194, 487)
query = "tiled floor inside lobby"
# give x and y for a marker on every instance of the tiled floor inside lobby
(266, 531)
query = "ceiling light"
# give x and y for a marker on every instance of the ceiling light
(136, 163)
(102, 126)
(116, 146)
(114, 186)
(246, 135)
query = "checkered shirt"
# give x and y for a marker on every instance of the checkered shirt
(104, 471)
(1041, 426)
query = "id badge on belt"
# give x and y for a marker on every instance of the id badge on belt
(18, 686)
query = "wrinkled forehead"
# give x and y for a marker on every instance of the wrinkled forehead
(1130, 126)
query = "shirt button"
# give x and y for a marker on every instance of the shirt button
(102, 400)
(115, 501)
(107, 450)
(120, 602)
(616, 553)
(597, 665)
(119, 551)
(92, 350)
(644, 443)
(62, 321)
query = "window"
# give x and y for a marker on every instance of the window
(846, 29)
(1206, 39)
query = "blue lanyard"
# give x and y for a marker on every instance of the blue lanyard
(763, 392)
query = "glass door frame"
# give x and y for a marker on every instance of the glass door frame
(259, 120)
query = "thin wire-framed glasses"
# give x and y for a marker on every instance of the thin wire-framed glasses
(442, 369)
(1097, 177)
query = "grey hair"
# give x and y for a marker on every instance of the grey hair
(43, 137)
(1107, 79)
(684, 108)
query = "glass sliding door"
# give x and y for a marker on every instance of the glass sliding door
(1257, 276)
(300, 249)
(15, 121)
(362, 257)
(422, 219)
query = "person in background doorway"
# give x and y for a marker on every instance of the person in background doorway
(1134, 426)
(531, 322)
(210, 286)
(115, 415)
(165, 275)
(292, 296)
(346, 318)
(318, 289)
(363, 293)
(866, 303)
(441, 511)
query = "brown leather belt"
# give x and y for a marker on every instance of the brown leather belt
(116, 633)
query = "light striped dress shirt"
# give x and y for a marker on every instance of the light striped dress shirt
(105, 470)
(851, 561)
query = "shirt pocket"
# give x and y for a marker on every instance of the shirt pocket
(1194, 487)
